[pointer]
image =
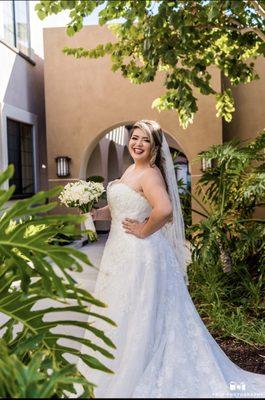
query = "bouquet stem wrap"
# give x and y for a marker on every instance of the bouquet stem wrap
(89, 223)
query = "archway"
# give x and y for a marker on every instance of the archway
(102, 138)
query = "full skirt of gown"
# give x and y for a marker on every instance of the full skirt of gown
(163, 349)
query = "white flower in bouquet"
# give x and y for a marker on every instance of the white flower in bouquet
(81, 194)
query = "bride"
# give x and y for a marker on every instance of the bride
(163, 348)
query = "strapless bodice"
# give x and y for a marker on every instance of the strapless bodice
(126, 202)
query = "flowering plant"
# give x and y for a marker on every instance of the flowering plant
(81, 194)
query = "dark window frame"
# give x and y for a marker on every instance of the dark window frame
(19, 187)
(14, 23)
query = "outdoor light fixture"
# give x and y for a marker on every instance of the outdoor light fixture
(62, 166)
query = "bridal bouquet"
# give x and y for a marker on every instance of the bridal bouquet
(83, 195)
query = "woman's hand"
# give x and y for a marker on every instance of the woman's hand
(133, 227)
(93, 212)
(100, 214)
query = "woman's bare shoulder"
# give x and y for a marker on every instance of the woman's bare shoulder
(153, 174)
(128, 169)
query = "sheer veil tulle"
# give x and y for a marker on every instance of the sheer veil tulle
(174, 231)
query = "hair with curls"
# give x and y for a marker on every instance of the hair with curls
(154, 132)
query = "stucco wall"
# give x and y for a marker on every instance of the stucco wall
(249, 116)
(22, 98)
(85, 99)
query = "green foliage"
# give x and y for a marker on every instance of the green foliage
(36, 289)
(181, 38)
(185, 199)
(225, 104)
(36, 379)
(230, 305)
(231, 191)
(234, 184)
(95, 178)
(230, 239)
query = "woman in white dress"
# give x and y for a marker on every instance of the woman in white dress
(163, 348)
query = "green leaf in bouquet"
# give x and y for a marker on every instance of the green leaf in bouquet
(95, 178)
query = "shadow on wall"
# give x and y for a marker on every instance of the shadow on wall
(22, 95)
(95, 165)
(127, 159)
(113, 162)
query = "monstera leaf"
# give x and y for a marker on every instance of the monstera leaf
(34, 274)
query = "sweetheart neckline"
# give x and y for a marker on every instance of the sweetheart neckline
(131, 188)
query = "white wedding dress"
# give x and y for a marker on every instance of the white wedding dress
(163, 347)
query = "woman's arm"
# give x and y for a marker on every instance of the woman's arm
(101, 214)
(154, 189)
(156, 220)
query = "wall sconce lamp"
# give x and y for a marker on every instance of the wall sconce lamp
(63, 166)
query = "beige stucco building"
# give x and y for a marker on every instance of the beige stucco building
(89, 108)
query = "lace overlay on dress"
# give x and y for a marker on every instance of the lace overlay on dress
(118, 181)
(163, 348)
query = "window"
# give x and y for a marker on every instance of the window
(22, 26)
(8, 22)
(16, 27)
(20, 153)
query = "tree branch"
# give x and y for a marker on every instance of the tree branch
(240, 28)
(258, 32)
(244, 30)
(258, 8)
